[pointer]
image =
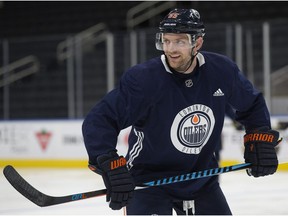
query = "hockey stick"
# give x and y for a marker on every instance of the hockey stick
(39, 198)
(43, 200)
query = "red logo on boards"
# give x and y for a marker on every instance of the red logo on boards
(43, 138)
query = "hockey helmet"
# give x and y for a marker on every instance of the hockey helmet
(181, 21)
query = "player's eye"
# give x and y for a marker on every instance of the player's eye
(165, 41)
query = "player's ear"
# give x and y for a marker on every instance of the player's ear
(199, 43)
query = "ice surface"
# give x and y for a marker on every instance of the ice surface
(246, 195)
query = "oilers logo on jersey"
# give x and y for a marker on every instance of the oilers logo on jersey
(191, 128)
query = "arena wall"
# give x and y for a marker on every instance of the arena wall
(59, 143)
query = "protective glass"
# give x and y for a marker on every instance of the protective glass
(161, 42)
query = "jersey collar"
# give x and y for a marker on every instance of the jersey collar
(199, 56)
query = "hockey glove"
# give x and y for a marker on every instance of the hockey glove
(260, 151)
(117, 179)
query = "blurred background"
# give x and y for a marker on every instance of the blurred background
(59, 58)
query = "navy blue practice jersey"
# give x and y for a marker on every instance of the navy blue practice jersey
(176, 118)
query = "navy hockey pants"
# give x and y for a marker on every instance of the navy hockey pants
(150, 201)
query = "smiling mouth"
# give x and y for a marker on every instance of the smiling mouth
(174, 58)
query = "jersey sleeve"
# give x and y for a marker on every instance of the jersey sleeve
(249, 103)
(119, 109)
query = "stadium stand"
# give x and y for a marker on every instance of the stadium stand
(36, 28)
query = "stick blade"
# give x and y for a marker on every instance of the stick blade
(23, 187)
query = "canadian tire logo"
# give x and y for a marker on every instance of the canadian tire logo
(43, 138)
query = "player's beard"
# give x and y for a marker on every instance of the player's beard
(179, 64)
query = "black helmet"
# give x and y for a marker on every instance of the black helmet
(186, 21)
(183, 21)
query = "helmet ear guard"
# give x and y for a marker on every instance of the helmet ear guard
(159, 41)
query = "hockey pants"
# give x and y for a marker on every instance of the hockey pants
(150, 201)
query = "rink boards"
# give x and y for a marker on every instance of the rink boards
(59, 143)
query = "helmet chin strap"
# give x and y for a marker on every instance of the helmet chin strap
(193, 42)
(191, 60)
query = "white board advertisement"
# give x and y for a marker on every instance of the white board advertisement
(62, 139)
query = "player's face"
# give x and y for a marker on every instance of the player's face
(177, 49)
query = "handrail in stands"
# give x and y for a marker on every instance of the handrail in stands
(19, 69)
(72, 49)
(88, 37)
(279, 76)
(145, 11)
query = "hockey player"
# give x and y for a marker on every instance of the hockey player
(176, 106)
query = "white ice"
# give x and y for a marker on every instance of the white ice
(246, 195)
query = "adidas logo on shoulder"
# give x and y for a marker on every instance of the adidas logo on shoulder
(218, 93)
